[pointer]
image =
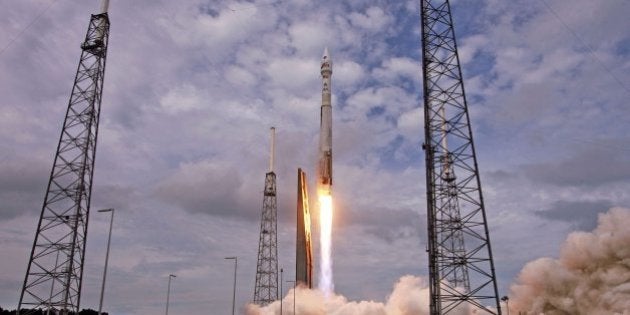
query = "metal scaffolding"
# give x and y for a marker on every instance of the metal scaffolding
(55, 269)
(266, 288)
(461, 268)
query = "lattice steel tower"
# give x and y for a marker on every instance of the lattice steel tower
(266, 288)
(55, 269)
(461, 268)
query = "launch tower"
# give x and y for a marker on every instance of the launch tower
(461, 269)
(55, 269)
(266, 288)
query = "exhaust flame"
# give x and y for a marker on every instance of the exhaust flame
(326, 284)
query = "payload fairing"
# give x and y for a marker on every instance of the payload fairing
(324, 182)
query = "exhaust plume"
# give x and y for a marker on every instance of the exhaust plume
(326, 284)
(592, 275)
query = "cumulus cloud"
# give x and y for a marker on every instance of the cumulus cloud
(192, 86)
(408, 123)
(348, 73)
(391, 100)
(310, 36)
(395, 226)
(180, 99)
(373, 19)
(223, 27)
(22, 185)
(583, 214)
(204, 187)
(576, 169)
(240, 76)
(294, 73)
(591, 276)
(399, 68)
(470, 46)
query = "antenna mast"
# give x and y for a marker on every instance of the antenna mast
(273, 149)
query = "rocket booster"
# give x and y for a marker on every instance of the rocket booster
(324, 171)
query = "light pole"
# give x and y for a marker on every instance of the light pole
(234, 288)
(281, 292)
(168, 291)
(109, 239)
(506, 299)
(293, 281)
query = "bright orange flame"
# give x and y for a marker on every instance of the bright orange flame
(325, 239)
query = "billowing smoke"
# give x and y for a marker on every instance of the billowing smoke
(409, 297)
(592, 275)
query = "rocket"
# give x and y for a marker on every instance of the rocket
(324, 170)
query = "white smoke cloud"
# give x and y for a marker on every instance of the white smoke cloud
(409, 297)
(592, 275)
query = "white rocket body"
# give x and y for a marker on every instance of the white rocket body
(325, 130)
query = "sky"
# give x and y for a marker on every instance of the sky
(192, 88)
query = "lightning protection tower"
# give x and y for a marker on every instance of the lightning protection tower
(266, 288)
(461, 269)
(55, 268)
